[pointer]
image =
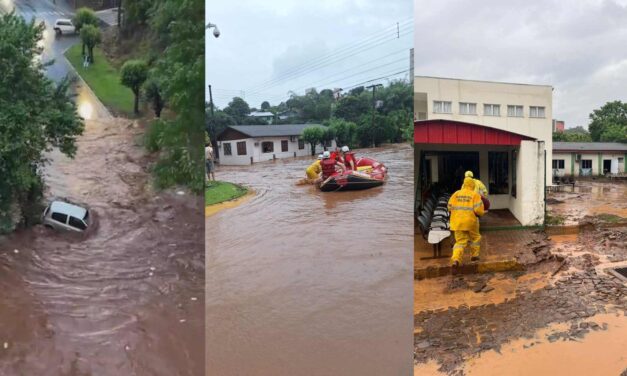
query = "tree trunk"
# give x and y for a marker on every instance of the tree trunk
(313, 149)
(136, 109)
(83, 50)
(91, 54)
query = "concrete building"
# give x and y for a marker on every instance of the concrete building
(246, 144)
(500, 131)
(588, 158)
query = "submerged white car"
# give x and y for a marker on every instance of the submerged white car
(64, 26)
(61, 215)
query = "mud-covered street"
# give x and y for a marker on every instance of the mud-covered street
(564, 305)
(124, 299)
(306, 282)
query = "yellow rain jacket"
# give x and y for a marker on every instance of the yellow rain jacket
(480, 188)
(314, 170)
(465, 206)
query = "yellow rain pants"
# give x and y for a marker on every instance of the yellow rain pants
(462, 240)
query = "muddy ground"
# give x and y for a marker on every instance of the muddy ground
(125, 299)
(564, 306)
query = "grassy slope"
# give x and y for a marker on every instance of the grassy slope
(221, 191)
(104, 80)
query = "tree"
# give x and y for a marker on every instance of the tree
(344, 131)
(35, 115)
(615, 133)
(313, 136)
(238, 109)
(612, 117)
(90, 36)
(265, 106)
(83, 17)
(152, 93)
(133, 75)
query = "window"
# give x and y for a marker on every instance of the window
(492, 110)
(586, 163)
(441, 107)
(267, 147)
(536, 112)
(514, 111)
(514, 159)
(558, 164)
(241, 148)
(59, 217)
(284, 145)
(498, 169)
(77, 223)
(301, 144)
(467, 108)
(227, 148)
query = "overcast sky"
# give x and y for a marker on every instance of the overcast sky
(577, 46)
(267, 48)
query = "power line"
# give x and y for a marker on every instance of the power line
(333, 57)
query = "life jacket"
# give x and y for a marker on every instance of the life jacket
(348, 157)
(328, 167)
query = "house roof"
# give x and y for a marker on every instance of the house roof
(589, 146)
(261, 113)
(273, 130)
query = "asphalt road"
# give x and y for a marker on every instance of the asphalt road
(89, 107)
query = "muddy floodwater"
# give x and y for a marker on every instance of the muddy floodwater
(305, 282)
(124, 299)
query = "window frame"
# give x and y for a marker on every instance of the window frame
(301, 144)
(285, 146)
(586, 160)
(467, 105)
(83, 225)
(226, 148)
(52, 216)
(537, 110)
(492, 107)
(442, 105)
(245, 147)
(516, 106)
(263, 149)
(503, 188)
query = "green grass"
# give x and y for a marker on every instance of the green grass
(609, 218)
(220, 191)
(104, 80)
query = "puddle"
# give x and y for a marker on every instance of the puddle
(598, 353)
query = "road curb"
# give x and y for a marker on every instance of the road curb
(106, 110)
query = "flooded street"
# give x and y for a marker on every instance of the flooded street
(124, 299)
(301, 281)
(589, 198)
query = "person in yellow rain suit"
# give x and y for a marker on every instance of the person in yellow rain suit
(314, 170)
(479, 187)
(465, 207)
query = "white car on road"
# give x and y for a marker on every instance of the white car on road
(64, 26)
(60, 215)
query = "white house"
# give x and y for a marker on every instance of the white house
(588, 158)
(500, 131)
(247, 144)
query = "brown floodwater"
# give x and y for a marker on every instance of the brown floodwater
(590, 198)
(305, 282)
(125, 299)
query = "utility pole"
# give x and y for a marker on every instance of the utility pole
(374, 103)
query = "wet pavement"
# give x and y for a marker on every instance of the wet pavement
(302, 281)
(589, 198)
(124, 299)
(491, 324)
(54, 47)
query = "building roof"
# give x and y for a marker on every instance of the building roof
(484, 81)
(442, 131)
(589, 146)
(273, 130)
(261, 114)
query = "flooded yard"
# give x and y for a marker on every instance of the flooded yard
(297, 277)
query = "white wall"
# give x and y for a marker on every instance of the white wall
(528, 205)
(254, 150)
(429, 89)
(593, 156)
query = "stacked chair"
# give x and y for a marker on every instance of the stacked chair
(433, 220)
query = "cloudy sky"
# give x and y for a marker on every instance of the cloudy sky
(267, 48)
(577, 46)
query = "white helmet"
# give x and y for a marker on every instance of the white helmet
(320, 156)
(345, 149)
(326, 155)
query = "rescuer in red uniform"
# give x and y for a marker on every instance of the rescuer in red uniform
(328, 165)
(349, 158)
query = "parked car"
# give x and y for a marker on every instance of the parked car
(64, 26)
(60, 215)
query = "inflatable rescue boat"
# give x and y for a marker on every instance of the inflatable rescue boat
(369, 174)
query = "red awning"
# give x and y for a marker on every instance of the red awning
(459, 133)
